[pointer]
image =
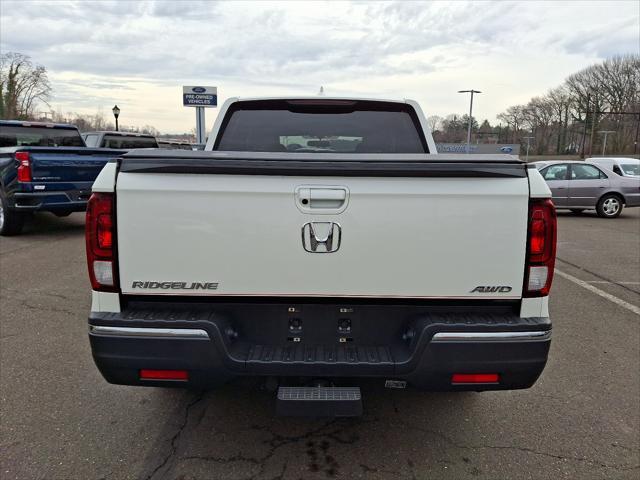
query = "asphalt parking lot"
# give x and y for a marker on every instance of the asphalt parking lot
(61, 420)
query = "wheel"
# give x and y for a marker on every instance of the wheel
(609, 206)
(11, 222)
(577, 211)
(62, 213)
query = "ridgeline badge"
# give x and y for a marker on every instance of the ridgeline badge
(176, 285)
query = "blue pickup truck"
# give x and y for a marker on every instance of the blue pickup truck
(45, 167)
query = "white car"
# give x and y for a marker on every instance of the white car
(625, 167)
(320, 241)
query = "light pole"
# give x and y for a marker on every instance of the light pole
(470, 117)
(528, 139)
(116, 114)
(604, 145)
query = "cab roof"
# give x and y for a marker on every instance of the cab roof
(30, 124)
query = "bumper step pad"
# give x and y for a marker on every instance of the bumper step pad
(319, 354)
(319, 401)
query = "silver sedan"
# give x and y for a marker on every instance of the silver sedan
(577, 186)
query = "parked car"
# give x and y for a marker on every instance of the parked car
(121, 140)
(44, 167)
(577, 186)
(625, 167)
(367, 255)
(174, 145)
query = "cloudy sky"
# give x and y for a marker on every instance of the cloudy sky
(139, 54)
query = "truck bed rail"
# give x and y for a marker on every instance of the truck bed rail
(323, 164)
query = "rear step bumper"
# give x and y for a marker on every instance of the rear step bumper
(69, 200)
(319, 401)
(425, 352)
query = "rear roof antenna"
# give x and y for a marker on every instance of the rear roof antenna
(321, 92)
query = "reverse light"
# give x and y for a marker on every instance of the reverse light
(537, 278)
(103, 272)
(24, 166)
(148, 374)
(99, 233)
(475, 378)
(541, 248)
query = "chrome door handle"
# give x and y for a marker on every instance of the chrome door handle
(321, 199)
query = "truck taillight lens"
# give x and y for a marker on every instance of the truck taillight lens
(541, 248)
(24, 166)
(99, 232)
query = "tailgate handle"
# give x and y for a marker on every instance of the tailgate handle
(321, 199)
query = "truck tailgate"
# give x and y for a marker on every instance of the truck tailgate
(411, 237)
(68, 164)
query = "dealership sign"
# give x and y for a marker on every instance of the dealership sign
(510, 148)
(198, 96)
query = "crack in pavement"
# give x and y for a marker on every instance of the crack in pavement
(173, 444)
(277, 441)
(47, 308)
(450, 441)
(597, 275)
(461, 446)
(38, 292)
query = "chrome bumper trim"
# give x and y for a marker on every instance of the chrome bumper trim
(491, 336)
(148, 332)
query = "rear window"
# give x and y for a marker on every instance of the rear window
(631, 169)
(122, 141)
(329, 126)
(20, 136)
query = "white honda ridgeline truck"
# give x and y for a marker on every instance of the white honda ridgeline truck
(315, 242)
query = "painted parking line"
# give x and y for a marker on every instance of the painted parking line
(612, 298)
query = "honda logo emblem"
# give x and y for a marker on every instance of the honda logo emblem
(321, 237)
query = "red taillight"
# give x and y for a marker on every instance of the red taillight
(475, 378)
(99, 236)
(24, 166)
(541, 248)
(148, 374)
(105, 231)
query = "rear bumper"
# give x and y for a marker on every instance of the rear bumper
(70, 200)
(425, 354)
(632, 199)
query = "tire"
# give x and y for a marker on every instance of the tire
(11, 222)
(62, 213)
(609, 206)
(577, 211)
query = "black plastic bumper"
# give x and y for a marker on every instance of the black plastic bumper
(421, 346)
(51, 201)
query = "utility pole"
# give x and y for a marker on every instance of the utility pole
(584, 132)
(594, 119)
(528, 139)
(635, 144)
(604, 145)
(470, 116)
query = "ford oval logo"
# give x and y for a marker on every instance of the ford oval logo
(506, 149)
(198, 89)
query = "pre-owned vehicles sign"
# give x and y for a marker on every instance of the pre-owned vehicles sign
(198, 96)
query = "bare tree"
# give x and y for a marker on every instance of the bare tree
(22, 86)
(560, 101)
(434, 122)
(601, 96)
(514, 118)
(150, 130)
